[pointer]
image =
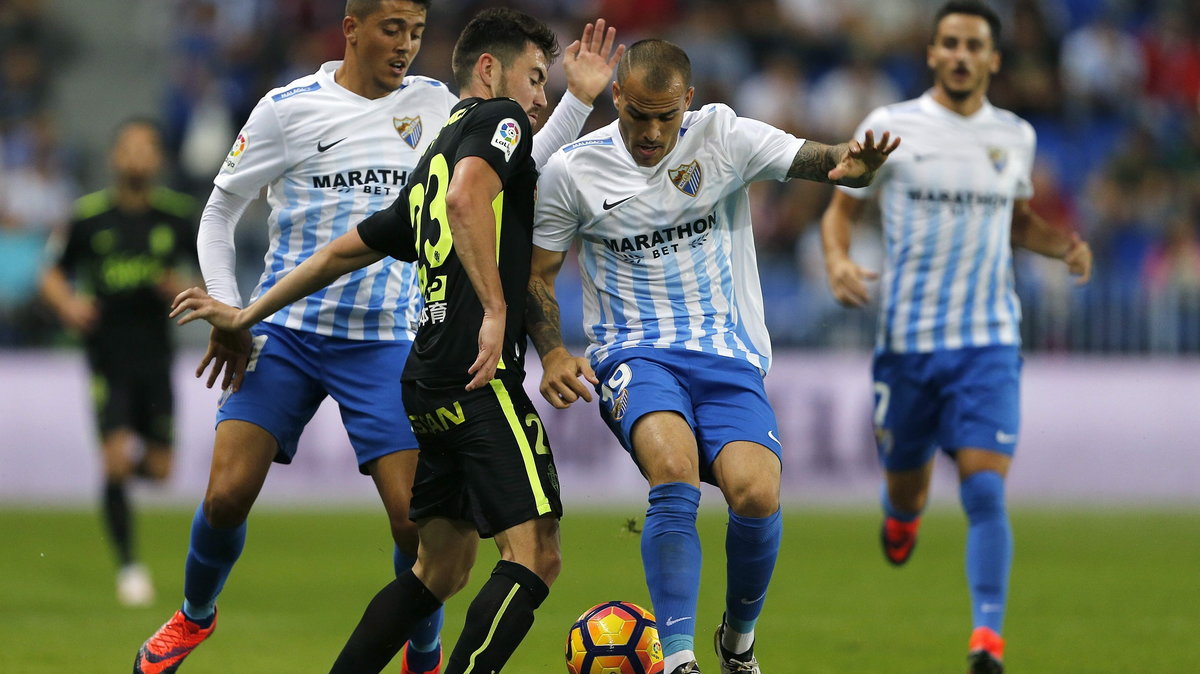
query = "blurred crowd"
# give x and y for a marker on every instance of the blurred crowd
(1111, 86)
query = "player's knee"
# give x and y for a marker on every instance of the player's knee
(755, 499)
(404, 533)
(673, 468)
(225, 509)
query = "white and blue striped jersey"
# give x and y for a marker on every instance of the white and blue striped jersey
(667, 252)
(328, 158)
(946, 197)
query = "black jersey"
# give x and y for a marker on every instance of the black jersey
(120, 258)
(447, 343)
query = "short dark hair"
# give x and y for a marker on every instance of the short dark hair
(974, 8)
(659, 61)
(361, 9)
(503, 33)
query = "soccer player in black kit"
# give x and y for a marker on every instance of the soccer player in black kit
(117, 267)
(485, 469)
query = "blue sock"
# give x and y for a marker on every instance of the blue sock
(425, 639)
(989, 547)
(671, 558)
(891, 511)
(211, 556)
(751, 548)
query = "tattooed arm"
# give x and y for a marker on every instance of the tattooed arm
(851, 164)
(561, 371)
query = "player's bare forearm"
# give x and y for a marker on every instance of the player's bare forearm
(1031, 232)
(814, 161)
(542, 319)
(343, 255)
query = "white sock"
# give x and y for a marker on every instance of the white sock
(676, 659)
(736, 642)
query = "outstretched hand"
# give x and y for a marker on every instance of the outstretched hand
(862, 159)
(590, 61)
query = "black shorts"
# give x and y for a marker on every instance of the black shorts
(138, 398)
(484, 456)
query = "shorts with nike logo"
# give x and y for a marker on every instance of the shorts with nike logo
(954, 399)
(721, 398)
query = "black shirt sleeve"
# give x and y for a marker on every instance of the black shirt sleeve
(390, 231)
(499, 133)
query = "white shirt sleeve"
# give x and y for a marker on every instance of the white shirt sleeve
(563, 127)
(1024, 188)
(876, 122)
(258, 155)
(757, 150)
(555, 221)
(215, 246)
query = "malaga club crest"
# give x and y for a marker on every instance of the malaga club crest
(409, 129)
(999, 158)
(687, 178)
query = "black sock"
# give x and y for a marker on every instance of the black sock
(390, 617)
(117, 519)
(498, 619)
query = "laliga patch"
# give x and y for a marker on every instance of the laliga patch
(507, 135)
(236, 152)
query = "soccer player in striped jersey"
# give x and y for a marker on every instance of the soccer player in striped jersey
(947, 359)
(485, 469)
(672, 307)
(330, 148)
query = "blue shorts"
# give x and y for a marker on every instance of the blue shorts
(722, 398)
(948, 399)
(290, 373)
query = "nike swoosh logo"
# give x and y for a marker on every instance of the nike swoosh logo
(322, 148)
(1006, 438)
(609, 207)
(672, 621)
(748, 602)
(771, 434)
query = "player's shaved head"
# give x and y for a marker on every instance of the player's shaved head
(361, 9)
(657, 63)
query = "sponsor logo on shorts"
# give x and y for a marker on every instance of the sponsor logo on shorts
(438, 421)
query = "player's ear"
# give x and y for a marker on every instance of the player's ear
(687, 100)
(994, 64)
(488, 69)
(350, 30)
(616, 91)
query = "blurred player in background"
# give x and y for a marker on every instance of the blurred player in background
(658, 202)
(947, 361)
(331, 148)
(484, 467)
(127, 251)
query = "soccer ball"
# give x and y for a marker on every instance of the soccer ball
(616, 637)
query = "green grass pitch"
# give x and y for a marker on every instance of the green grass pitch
(1096, 592)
